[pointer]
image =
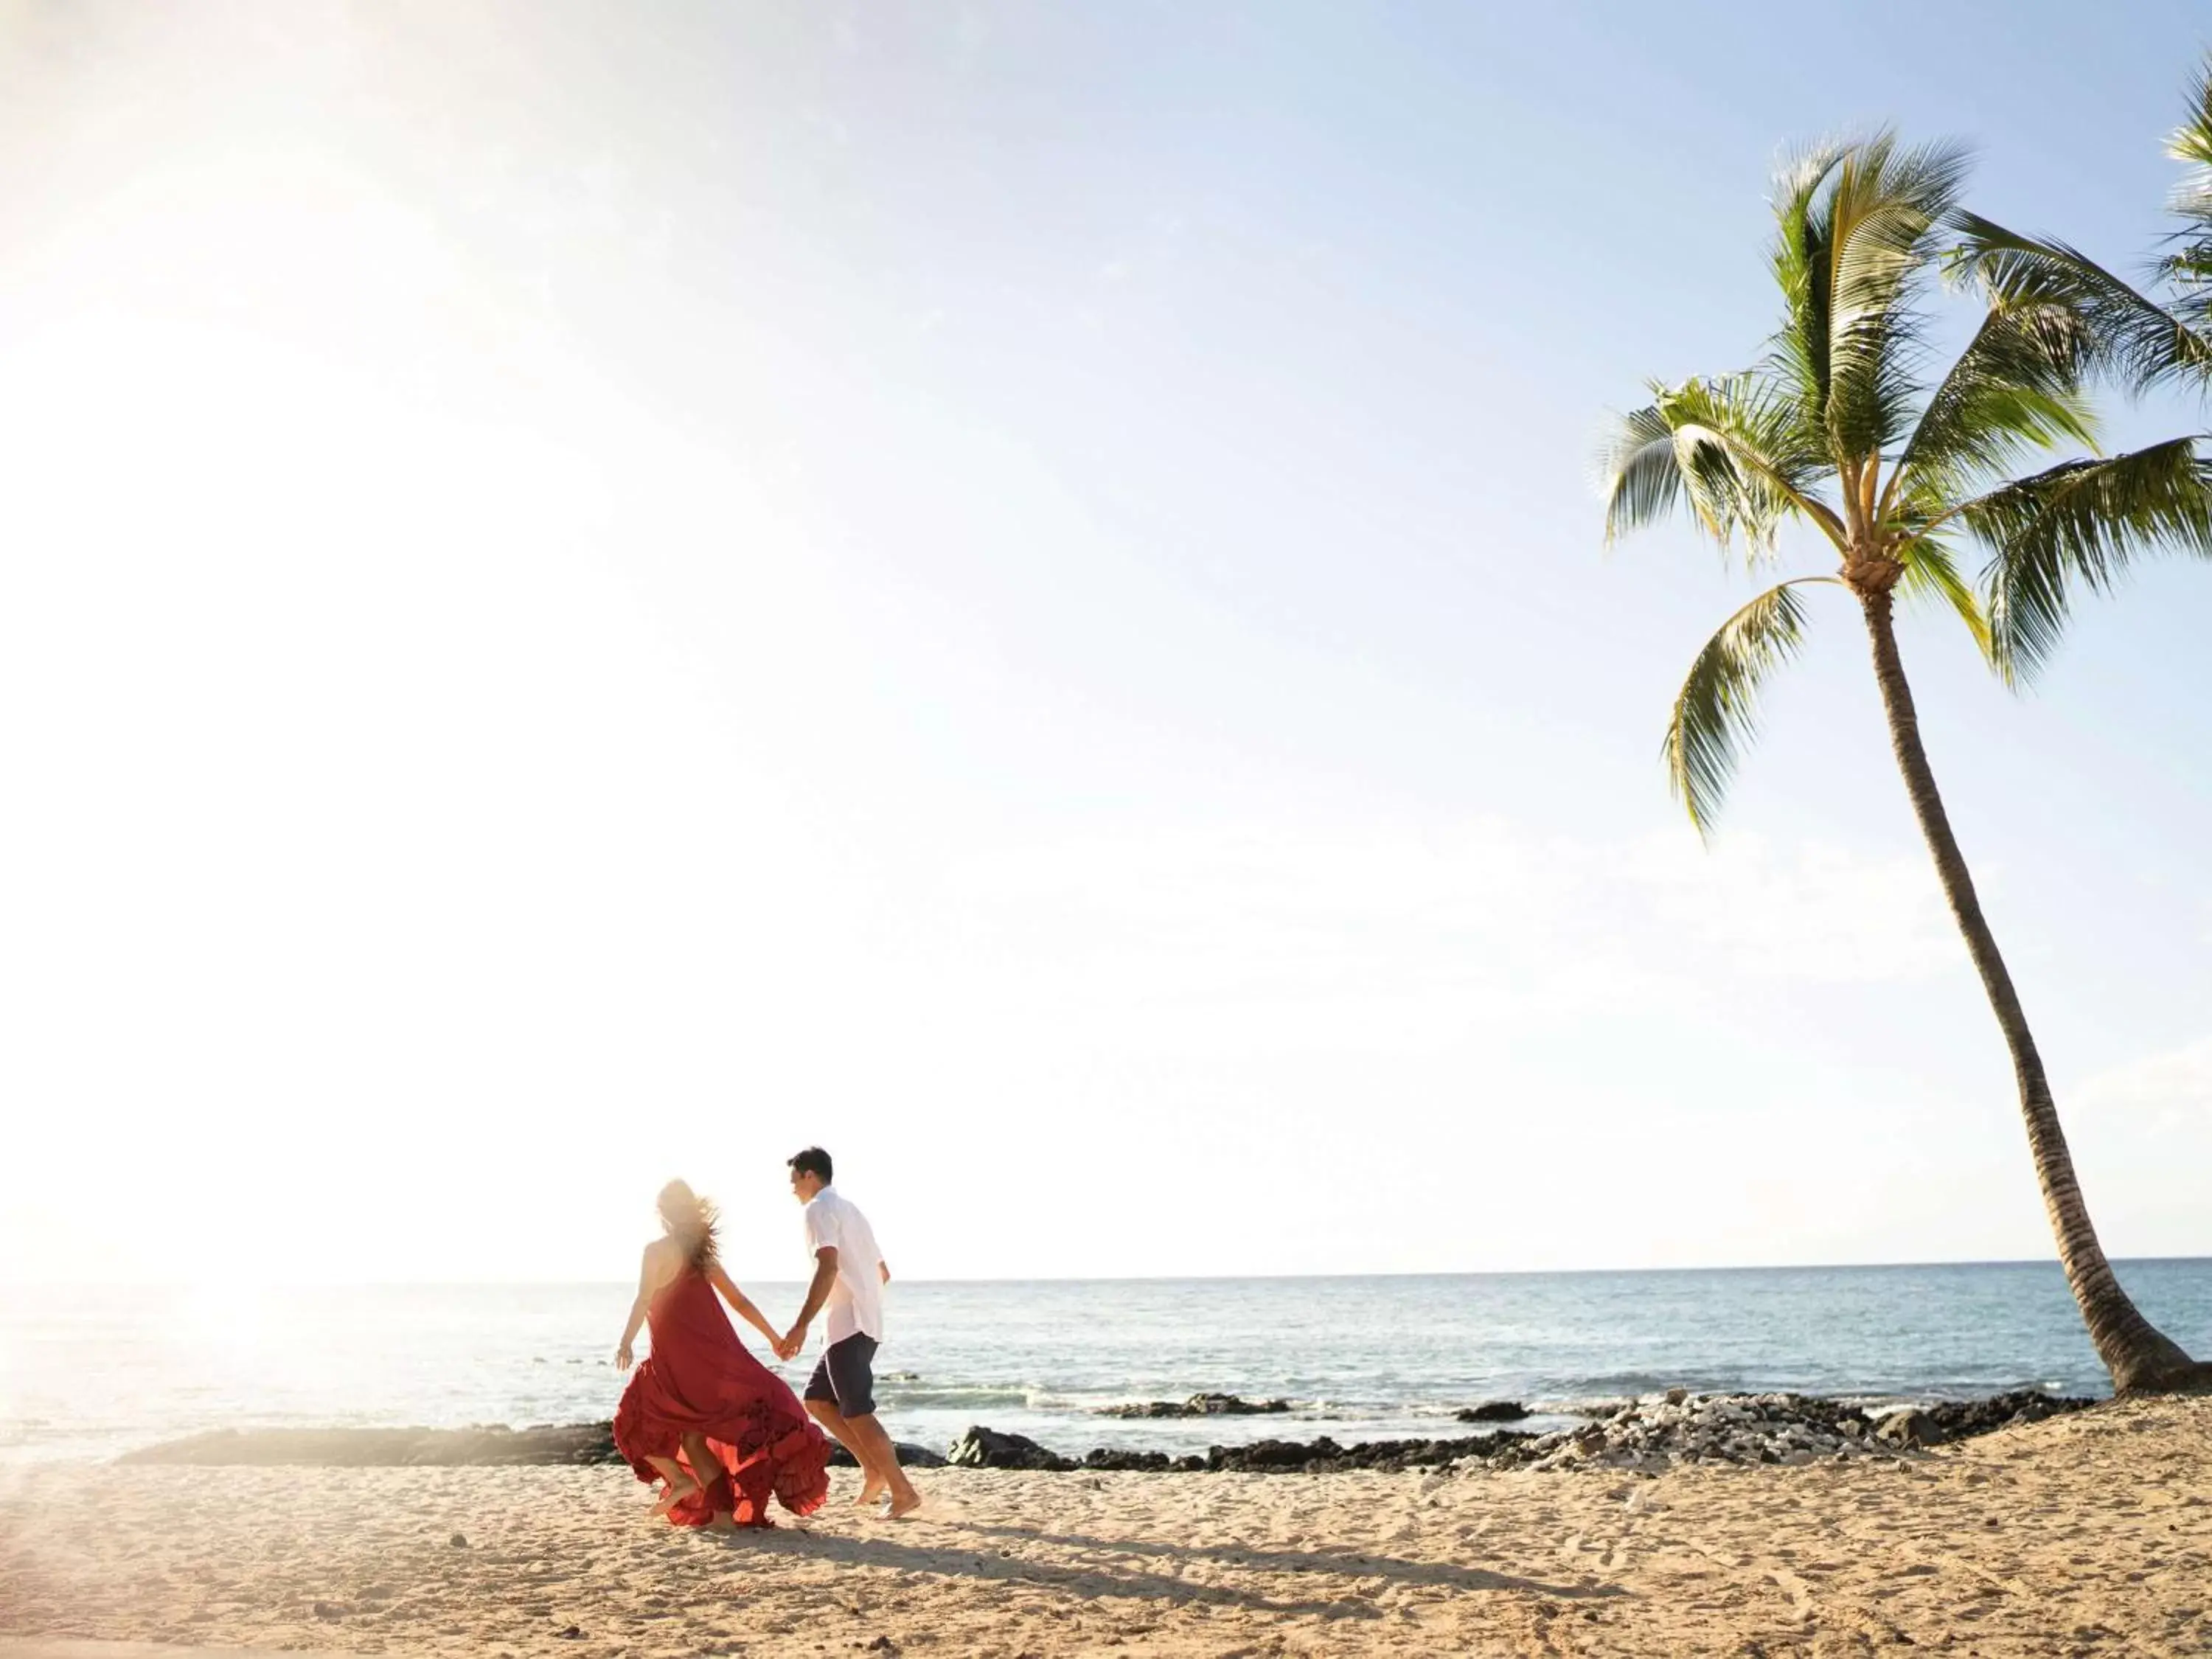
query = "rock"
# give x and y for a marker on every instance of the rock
(574, 1633)
(459, 1541)
(1228, 1405)
(1958, 1419)
(1150, 1462)
(329, 1610)
(1324, 1455)
(910, 1457)
(1910, 1427)
(1266, 1456)
(987, 1449)
(1752, 1429)
(1493, 1411)
(1199, 1405)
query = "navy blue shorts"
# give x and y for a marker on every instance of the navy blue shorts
(846, 1377)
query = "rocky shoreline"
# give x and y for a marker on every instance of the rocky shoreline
(1654, 1435)
(1644, 1436)
(987, 1449)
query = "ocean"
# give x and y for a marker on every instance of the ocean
(91, 1372)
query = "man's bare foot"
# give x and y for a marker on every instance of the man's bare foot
(871, 1493)
(905, 1503)
(672, 1494)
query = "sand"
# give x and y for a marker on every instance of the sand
(2090, 1534)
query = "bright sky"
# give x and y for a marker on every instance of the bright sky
(589, 593)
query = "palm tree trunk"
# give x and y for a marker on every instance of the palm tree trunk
(2140, 1357)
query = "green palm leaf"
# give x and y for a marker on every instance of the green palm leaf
(1729, 448)
(1887, 206)
(2131, 337)
(1799, 263)
(2015, 391)
(2077, 525)
(1641, 473)
(2191, 141)
(1931, 576)
(1716, 714)
(2187, 272)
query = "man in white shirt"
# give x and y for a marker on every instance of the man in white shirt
(849, 1276)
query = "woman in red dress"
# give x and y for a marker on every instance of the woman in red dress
(702, 1415)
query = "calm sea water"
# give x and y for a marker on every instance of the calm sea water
(91, 1372)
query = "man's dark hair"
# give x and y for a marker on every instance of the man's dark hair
(813, 1161)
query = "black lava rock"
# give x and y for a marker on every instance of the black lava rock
(1958, 1420)
(1199, 1405)
(1323, 1456)
(987, 1449)
(1148, 1463)
(910, 1457)
(1493, 1411)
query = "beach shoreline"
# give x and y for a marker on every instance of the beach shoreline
(2091, 1531)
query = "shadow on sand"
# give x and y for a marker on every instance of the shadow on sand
(1343, 1580)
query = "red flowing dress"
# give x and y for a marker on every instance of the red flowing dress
(700, 1376)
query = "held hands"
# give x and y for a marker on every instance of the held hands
(791, 1342)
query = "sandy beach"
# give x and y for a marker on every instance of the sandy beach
(2086, 1534)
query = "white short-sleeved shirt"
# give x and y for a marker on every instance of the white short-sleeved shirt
(856, 1298)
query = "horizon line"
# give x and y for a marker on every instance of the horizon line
(7, 1285)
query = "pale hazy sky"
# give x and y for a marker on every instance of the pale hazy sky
(591, 592)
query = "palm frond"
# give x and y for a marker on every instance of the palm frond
(2078, 525)
(1930, 574)
(2191, 143)
(1886, 206)
(2187, 272)
(1727, 447)
(1640, 472)
(2013, 392)
(1799, 261)
(1716, 714)
(2131, 338)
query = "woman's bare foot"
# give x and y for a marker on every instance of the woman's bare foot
(672, 1494)
(722, 1521)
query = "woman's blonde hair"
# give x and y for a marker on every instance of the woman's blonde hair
(689, 1221)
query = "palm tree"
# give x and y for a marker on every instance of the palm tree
(1841, 426)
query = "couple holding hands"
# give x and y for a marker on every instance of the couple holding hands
(720, 1430)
